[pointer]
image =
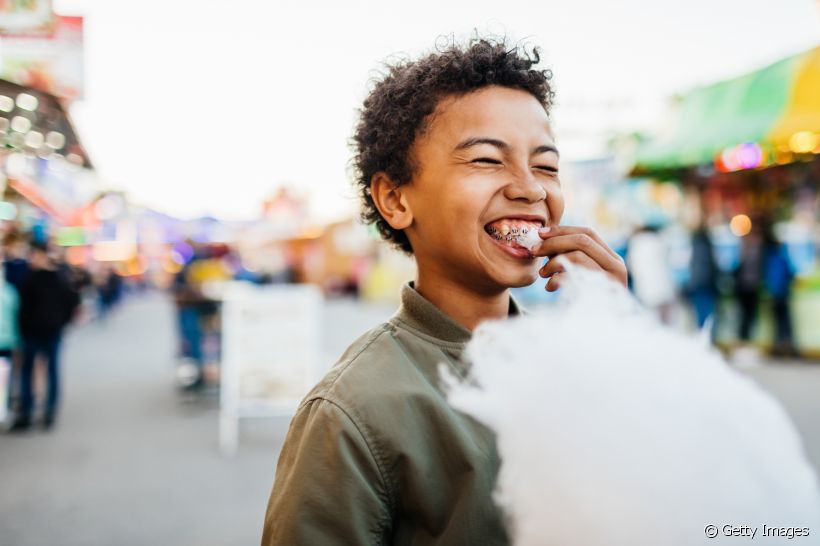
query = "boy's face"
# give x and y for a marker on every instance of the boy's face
(485, 157)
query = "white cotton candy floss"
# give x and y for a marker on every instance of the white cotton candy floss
(616, 431)
(529, 239)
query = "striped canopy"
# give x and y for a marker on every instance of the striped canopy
(776, 107)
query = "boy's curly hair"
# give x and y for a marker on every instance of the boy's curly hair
(398, 108)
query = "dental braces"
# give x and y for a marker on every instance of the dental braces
(526, 236)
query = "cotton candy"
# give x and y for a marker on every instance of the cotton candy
(615, 430)
(529, 239)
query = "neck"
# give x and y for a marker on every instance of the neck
(466, 307)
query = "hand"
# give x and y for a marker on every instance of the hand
(579, 245)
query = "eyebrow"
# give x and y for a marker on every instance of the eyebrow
(501, 145)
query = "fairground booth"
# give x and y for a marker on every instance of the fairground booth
(746, 149)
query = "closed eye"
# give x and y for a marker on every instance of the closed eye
(487, 160)
(546, 168)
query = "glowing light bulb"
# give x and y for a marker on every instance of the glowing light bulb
(34, 139)
(55, 140)
(749, 155)
(740, 225)
(20, 124)
(6, 103)
(27, 102)
(730, 159)
(804, 142)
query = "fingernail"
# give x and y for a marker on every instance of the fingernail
(544, 230)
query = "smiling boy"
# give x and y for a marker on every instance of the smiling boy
(454, 155)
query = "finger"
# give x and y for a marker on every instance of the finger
(551, 268)
(555, 282)
(577, 257)
(557, 231)
(564, 244)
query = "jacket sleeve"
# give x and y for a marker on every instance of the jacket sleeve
(329, 489)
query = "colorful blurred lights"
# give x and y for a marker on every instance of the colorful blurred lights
(34, 139)
(27, 102)
(171, 266)
(740, 225)
(177, 258)
(20, 124)
(728, 160)
(71, 236)
(185, 252)
(113, 251)
(749, 155)
(135, 266)
(55, 140)
(804, 142)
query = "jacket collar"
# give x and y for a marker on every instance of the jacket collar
(422, 315)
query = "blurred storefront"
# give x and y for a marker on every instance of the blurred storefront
(47, 183)
(48, 177)
(342, 257)
(742, 151)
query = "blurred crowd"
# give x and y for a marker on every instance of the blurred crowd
(40, 295)
(761, 279)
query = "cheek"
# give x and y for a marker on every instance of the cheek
(463, 205)
(555, 203)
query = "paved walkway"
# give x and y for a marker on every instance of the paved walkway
(131, 464)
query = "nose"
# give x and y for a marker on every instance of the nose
(525, 187)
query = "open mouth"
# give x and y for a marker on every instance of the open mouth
(515, 235)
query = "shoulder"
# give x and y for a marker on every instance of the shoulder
(363, 369)
(375, 378)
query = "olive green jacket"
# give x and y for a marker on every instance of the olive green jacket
(376, 456)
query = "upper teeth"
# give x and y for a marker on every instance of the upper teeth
(507, 231)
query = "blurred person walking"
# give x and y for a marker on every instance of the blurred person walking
(108, 285)
(648, 264)
(778, 275)
(748, 277)
(187, 299)
(47, 304)
(748, 280)
(197, 313)
(702, 289)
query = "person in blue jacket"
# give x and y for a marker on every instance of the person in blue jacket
(778, 275)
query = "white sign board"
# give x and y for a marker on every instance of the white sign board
(271, 345)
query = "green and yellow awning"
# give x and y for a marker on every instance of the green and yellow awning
(764, 117)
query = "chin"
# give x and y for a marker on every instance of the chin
(516, 279)
(506, 271)
(523, 282)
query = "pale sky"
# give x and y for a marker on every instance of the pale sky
(198, 107)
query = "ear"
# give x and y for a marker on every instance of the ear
(391, 201)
